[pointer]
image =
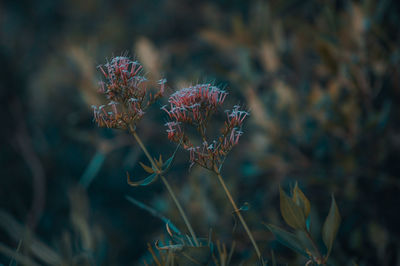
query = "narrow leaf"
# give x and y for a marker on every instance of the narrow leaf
(153, 212)
(148, 169)
(158, 161)
(167, 164)
(147, 181)
(245, 207)
(301, 200)
(92, 169)
(331, 226)
(287, 239)
(291, 212)
(273, 258)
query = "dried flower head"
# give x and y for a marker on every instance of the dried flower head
(194, 106)
(126, 90)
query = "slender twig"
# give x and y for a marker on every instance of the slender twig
(320, 258)
(237, 211)
(17, 251)
(164, 180)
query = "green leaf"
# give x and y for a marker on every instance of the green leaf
(244, 207)
(167, 164)
(153, 212)
(147, 181)
(160, 161)
(16, 256)
(291, 212)
(331, 226)
(301, 200)
(287, 239)
(92, 169)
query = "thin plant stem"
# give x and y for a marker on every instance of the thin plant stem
(164, 180)
(315, 248)
(236, 210)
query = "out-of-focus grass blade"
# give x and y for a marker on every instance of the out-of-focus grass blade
(17, 231)
(273, 258)
(16, 256)
(92, 169)
(153, 212)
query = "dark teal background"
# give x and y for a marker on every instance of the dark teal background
(320, 78)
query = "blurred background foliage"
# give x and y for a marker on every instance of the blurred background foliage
(321, 79)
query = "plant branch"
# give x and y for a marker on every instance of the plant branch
(320, 258)
(236, 210)
(171, 192)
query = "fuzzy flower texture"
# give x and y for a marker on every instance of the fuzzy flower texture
(194, 106)
(125, 89)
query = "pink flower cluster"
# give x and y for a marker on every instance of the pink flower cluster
(194, 106)
(174, 130)
(124, 87)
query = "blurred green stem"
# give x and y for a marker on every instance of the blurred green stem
(237, 211)
(171, 192)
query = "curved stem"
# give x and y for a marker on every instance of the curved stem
(171, 192)
(178, 205)
(236, 210)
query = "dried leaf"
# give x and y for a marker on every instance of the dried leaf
(269, 57)
(18, 257)
(291, 213)
(149, 56)
(167, 164)
(244, 207)
(331, 226)
(273, 260)
(148, 169)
